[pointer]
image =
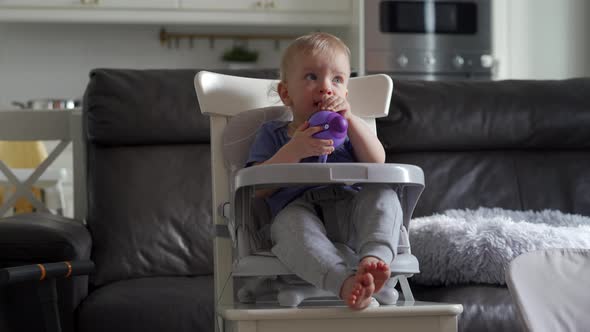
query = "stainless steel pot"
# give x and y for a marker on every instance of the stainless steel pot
(48, 104)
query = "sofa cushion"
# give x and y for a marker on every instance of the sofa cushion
(150, 304)
(510, 179)
(150, 211)
(125, 106)
(518, 145)
(143, 107)
(471, 115)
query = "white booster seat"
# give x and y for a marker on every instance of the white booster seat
(245, 267)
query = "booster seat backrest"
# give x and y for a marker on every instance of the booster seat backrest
(240, 132)
(223, 97)
(246, 104)
(238, 136)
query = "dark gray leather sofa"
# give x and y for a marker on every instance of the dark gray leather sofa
(512, 144)
(519, 145)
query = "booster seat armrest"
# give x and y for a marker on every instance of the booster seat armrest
(409, 178)
(326, 173)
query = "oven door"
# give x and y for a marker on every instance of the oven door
(432, 37)
(428, 24)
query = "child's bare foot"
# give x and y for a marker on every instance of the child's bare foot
(357, 291)
(377, 268)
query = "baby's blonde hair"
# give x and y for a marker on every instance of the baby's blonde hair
(313, 43)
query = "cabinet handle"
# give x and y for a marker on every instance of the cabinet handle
(89, 2)
(258, 4)
(269, 4)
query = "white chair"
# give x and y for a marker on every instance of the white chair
(551, 289)
(51, 182)
(226, 99)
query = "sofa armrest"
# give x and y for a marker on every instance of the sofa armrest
(42, 238)
(47, 239)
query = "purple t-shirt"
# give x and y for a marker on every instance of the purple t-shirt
(270, 137)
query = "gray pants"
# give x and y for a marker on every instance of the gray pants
(314, 236)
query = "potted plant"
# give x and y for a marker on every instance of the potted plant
(240, 57)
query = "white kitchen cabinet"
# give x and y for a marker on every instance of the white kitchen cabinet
(39, 3)
(314, 5)
(270, 5)
(140, 4)
(223, 5)
(147, 4)
(313, 14)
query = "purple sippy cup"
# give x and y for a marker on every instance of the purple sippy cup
(335, 128)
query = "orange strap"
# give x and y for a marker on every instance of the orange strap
(69, 265)
(43, 271)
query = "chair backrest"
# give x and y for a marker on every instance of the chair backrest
(29, 128)
(550, 288)
(224, 96)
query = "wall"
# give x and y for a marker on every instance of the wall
(53, 60)
(532, 39)
(542, 39)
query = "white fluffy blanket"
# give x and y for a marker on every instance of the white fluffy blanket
(462, 246)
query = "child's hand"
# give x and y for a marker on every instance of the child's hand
(336, 104)
(304, 145)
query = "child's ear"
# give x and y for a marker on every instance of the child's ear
(284, 94)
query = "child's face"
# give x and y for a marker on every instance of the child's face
(310, 78)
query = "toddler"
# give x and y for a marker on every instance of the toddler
(312, 225)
